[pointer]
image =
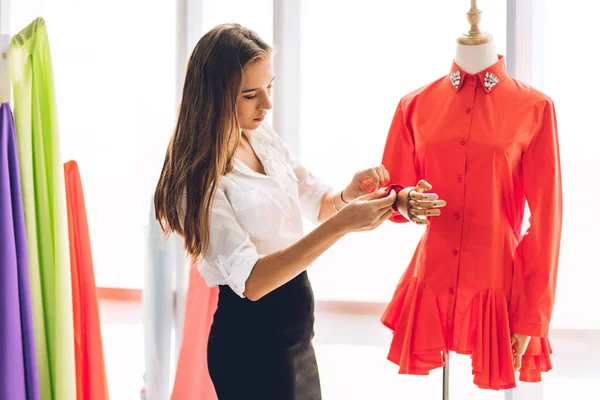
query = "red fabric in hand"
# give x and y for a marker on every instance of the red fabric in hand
(398, 188)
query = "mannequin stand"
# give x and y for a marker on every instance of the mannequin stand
(446, 378)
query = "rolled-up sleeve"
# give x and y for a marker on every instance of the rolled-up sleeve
(231, 253)
(311, 191)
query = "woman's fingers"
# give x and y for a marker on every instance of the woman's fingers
(381, 173)
(377, 176)
(373, 195)
(368, 184)
(385, 202)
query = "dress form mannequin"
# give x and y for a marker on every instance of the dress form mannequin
(481, 138)
(476, 58)
(475, 52)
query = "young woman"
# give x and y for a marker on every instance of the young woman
(232, 189)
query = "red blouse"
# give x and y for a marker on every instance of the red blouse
(487, 143)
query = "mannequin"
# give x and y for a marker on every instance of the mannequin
(475, 52)
(476, 285)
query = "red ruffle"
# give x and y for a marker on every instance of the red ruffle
(418, 342)
(536, 360)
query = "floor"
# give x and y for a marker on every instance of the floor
(350, 369)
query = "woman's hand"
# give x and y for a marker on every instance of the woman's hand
(366, 181)
(417, 206)
(366, 212)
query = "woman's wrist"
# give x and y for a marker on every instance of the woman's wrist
(334, 202)
(349, 193)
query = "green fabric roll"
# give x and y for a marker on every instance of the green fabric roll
(43, 187)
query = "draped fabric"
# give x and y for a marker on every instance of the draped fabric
(89, 354)
(44, 204)
(18, 366)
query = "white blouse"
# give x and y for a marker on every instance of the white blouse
(254, 215)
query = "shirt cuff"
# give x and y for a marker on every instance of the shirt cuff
(529, 329)
(237, 267)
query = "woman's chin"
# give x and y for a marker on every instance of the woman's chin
(252, 124)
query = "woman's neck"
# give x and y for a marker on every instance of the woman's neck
(474, 59)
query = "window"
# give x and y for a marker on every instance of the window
(256, 15)
(574, 91)
(567, 76)
(114, 73)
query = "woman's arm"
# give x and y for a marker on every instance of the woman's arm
(363, 182)
(276, 269)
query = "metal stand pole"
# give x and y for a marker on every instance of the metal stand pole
(446, 381)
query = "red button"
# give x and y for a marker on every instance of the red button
(459, 178)
(455, 252)
(451, 290)
(457, 215)
(468, 110)
(463, 141)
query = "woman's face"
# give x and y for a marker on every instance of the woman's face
(255, 98)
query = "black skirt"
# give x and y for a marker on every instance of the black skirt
(263, 350)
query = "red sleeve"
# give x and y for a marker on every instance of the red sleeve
(395, 187)
(536, 260)
(399, 155)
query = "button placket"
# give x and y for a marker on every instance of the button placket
(458, 214)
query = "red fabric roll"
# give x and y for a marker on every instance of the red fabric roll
(89, 354)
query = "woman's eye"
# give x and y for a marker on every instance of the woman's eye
(250, 97)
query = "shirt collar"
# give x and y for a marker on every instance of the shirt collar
(259, 141)
(490, 78)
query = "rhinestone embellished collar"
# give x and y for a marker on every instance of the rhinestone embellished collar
(489, 78)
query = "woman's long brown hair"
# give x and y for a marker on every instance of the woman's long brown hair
(207, 133)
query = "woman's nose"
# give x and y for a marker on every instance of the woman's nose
(265, 103)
